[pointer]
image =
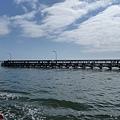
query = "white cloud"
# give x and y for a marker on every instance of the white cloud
(26, 16)
(4, 26)
(25, 9)
(32, 3)
(59, 16)
(26, 22)
(28, 26)
(31, 29)
(21, 1)
(100, 33)
(63, 14)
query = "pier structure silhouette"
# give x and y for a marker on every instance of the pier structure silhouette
(83, 64)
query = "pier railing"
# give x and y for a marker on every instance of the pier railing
(62, 63)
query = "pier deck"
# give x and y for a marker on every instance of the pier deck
(62, 63)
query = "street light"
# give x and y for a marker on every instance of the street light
(55, 55)
(10, 55)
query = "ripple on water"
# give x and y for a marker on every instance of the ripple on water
(39, 94)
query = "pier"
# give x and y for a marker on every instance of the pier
(83, 64)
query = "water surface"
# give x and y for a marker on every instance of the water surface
(59, 94)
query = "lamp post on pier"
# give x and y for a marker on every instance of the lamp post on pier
(9, 55)
(55, 55)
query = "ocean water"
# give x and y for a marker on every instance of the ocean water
(59, 94)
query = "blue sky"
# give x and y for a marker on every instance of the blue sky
(75, 29)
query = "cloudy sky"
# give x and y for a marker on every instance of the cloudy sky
(75, 29)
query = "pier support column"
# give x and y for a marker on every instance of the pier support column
(101, 66)
(91, 65)
(119, 68)
(110, 66)
(83, 66)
